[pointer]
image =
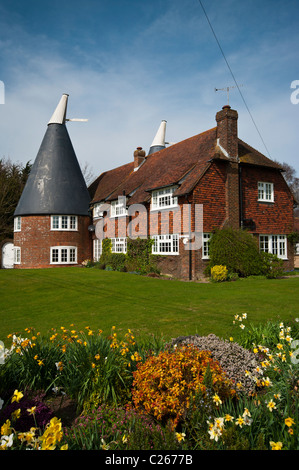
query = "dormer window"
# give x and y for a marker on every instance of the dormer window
(164, 198)
(118, 208)
(265, 191)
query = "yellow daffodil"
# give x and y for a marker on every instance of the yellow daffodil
(271, 405)
(5, 428)
(217, 400)
(276, 445)
(17, 396)
(289, 422)
(32, 410)
(16, 414)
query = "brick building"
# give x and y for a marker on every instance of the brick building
(52, 217)
(177, 195)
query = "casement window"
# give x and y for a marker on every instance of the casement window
(63, 255)
(265, 191)
(275, 244)
(97, 249)
(166, 244)
(164, 198)
(118, 208)
(17, 224)
(17, 254)
(119, 245)
(64, 222)
(206, 245)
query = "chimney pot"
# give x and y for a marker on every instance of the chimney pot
(139, 156)
(227, 130)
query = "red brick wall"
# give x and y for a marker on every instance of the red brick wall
(36, 238)
(269, 218)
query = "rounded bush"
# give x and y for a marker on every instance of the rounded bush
(164, 385)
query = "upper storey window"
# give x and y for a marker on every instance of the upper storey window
(265, 191)
(17, 224)
(118, 208)
(64, 222)
(164, 198)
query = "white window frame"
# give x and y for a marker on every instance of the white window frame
(17, 223)
(265, 191)
(65, 255)
(166, 244)
(118, 207)
(64, 222)
(17, 255)
(97, 249)
(275, 244)
(119, 245)
(163, 198)
(206, 237)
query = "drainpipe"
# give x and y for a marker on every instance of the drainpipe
(241, 196)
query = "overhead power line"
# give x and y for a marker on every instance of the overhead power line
(233, 76)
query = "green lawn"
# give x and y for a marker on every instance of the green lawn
(50, 298)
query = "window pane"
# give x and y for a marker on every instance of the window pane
(64, 255)
(55, 221)
(64, 222)
(73, 222)
(72, 255)
(54, 255)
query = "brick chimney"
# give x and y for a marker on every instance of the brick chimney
(139, 156)
(227, 131)
(227, 139)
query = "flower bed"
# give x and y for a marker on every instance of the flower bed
(193, 393)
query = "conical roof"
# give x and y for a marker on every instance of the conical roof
(159, 139)
(55, 184)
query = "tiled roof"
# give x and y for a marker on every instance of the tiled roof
(249, 155)
(183, 163)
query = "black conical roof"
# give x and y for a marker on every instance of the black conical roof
(55, 184)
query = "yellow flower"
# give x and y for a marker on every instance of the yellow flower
(31, 411)
(217, 400)
(276, 445)
(97, 357)
(64, 447)
(180, 436)
(16, 414)
(271, 405)
(240, 421)
(289, 422)
(17, 396)
(5, 428)
(228, 417)
(124, 439)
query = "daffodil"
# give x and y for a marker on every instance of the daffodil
(17, 396)
(180, 436)
(289, 422)
(271, 405)
(217, 400)
(276, 445)
(32, 410)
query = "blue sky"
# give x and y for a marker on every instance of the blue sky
(128, 64)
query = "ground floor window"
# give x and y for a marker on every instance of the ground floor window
(119, 245)
(166, 244)
(275, 244)
(206, 245)
(97, 249)
(63, 255)
(17, 255)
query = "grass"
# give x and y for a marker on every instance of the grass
(50, 298)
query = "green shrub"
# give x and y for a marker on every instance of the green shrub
(237, 250)
(139, 256)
